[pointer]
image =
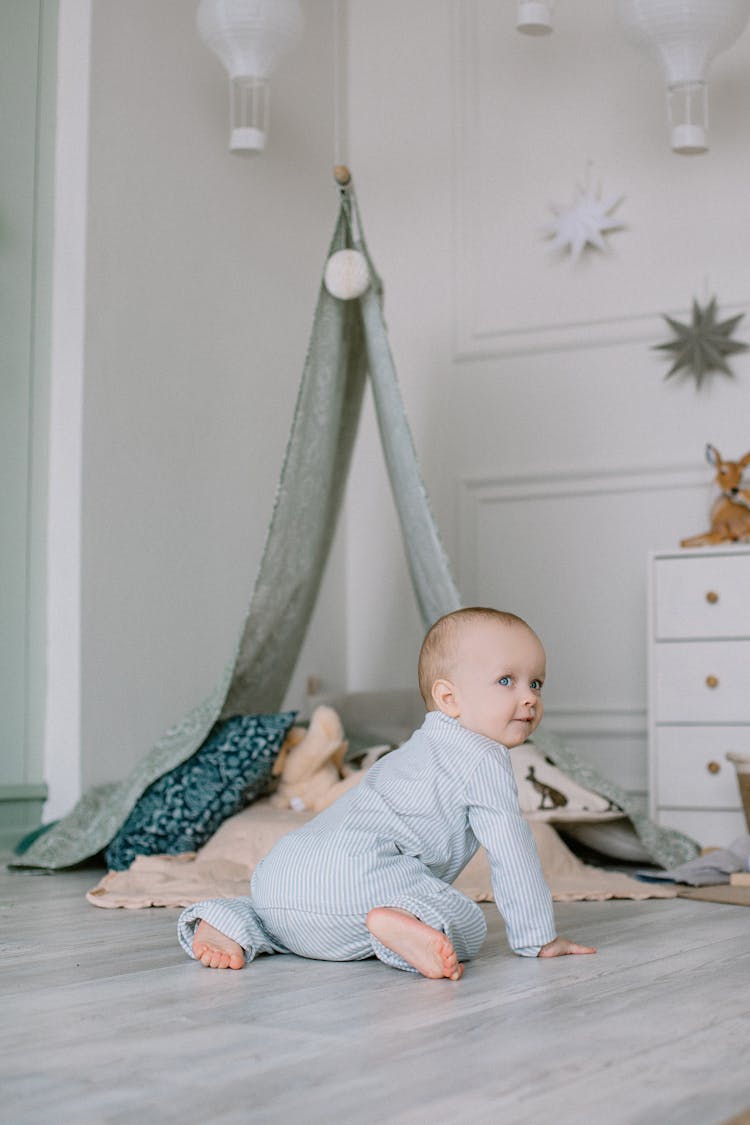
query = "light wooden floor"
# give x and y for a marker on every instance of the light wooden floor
(105, 1020)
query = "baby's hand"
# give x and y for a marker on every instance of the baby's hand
(560, 947)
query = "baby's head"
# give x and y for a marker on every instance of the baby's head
(484, 668)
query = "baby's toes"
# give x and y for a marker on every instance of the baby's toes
(451, 964)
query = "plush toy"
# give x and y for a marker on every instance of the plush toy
(730, 515)
(311, 768)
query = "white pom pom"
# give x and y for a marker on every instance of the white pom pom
(347, 275)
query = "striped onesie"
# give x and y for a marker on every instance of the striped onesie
(399, 838)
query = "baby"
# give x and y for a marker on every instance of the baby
(372, 874)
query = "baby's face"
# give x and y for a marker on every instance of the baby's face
(496, 681)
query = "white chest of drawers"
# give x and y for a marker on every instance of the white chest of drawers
(699, 689)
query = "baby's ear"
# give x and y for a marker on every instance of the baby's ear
(444, 696)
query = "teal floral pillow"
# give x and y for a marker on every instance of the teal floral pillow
(182, 809)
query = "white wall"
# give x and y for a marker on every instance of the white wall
(555, 452)
(202, 272)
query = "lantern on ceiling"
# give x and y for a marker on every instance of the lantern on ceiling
(684, 36)
(249, 37)
(534, 17)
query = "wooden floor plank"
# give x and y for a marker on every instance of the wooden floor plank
(105, 1020)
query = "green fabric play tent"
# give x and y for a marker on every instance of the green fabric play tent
(348, 344)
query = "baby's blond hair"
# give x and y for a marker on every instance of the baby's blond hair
(440, 646)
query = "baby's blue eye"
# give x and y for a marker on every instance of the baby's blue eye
(536, 685)
(505, 681)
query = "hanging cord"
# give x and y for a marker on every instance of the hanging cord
(341, 173)
(340, 124)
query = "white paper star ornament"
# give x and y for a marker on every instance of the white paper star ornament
(584, 222)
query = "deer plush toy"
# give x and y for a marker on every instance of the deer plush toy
(730, 514)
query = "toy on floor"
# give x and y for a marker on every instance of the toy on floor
(730, 514)
(311, 768)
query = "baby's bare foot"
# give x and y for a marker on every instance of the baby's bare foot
(428, 951)
(215, 950)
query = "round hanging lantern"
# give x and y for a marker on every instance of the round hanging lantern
(347, 274)
(534, 17)
(249, 37)
(684, 36)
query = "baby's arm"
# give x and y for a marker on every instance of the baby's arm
(521, 893)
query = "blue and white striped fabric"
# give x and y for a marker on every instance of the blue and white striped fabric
(399, 838)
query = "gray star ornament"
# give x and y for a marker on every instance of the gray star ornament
(703, 345)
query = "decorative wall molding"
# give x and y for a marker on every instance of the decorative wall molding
(475, 344)
(480, 492)
(614, 742)
(593, 722)
(472, 339)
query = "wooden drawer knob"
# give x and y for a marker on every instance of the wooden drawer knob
(713, 767)
(712, 597)
(712, 681)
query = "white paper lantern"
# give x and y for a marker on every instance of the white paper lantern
(347, 274)
(249, 37)
(683, 36)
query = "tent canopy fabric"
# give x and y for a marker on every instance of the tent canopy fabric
(348, 342)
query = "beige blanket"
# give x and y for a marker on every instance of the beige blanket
(222, 868)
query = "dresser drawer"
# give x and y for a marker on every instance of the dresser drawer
(701, 597)
(702, 681)
(710, 829)
(692, 770)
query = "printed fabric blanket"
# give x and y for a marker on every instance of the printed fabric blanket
(223, 867)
